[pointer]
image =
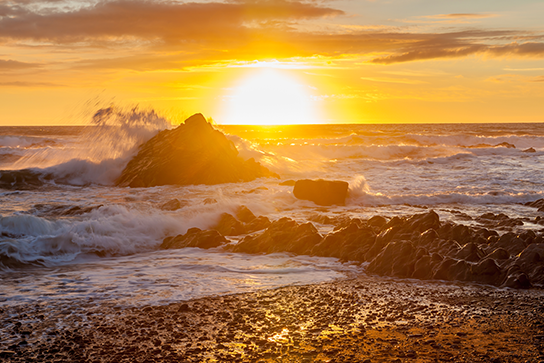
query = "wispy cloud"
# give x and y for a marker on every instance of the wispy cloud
(393, 80)
(10, 64)
(29, 84)
(460, 16)
(169, 35)
(160, 20)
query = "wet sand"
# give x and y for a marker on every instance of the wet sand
(363, 319)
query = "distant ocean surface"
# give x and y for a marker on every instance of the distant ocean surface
(66, 232)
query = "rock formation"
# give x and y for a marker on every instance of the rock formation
(193, 153)
(418, 246)
(321, 192)
(195, 237)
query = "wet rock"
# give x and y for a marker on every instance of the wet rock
(512, 243)
(377, 221)
(470, 252)
(428, 237)
(20, 179)
(498, 220)
(62, 210)
(486, 271)
(321, 192)
(506, 145)
(462, 234)
(7, 353)
(283, 235)
(243, 214)
(173, 205)
(517, 281)
(531, 262)
(325, 219)
(397, 259)
(539, 203)
(195, 237)
(257, 224)
(381, 241)
(423, 268)
(193, 153)
(229, 226)
(349, 243)
(424, 221)
(499, 254)
(529, 150)
(442, 272)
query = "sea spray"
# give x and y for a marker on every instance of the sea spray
(99, 153)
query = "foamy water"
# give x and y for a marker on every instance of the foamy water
(68, 232)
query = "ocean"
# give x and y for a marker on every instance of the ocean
(67, 233)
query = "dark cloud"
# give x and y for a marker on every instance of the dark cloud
(462, 44)
(174, 35)
(167, 21)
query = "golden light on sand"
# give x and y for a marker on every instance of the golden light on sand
(269, 97)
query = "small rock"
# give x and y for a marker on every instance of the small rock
(173, 205)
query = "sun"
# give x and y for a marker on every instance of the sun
(269, 97)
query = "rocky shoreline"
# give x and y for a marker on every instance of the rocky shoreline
(403, 310)
(365, 319)
(420, 246)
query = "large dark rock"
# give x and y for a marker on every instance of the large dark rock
(244, 222)
(229, 226)
(194, 237)
(193, 153)
(321, 192)
(396, 259)
(349, 243)
(284, 235)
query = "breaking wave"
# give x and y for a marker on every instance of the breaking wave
(96, 156)
(114, 230)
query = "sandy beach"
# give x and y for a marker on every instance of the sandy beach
(362, 319)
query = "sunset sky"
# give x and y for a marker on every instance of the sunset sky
(338, 61)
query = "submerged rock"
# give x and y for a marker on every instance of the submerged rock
(174, 204)
(193, 153)
(20, 179)
(322, 192)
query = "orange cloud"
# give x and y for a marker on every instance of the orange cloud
(167, 21)
(158, 35)
(455, 45)
(461, 16)
(14, 65)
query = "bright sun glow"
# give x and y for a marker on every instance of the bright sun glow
(269, 98)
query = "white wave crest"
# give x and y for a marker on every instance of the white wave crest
(109, 230)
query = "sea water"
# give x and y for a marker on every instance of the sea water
(67, 232)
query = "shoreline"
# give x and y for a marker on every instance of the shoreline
(362, 319)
